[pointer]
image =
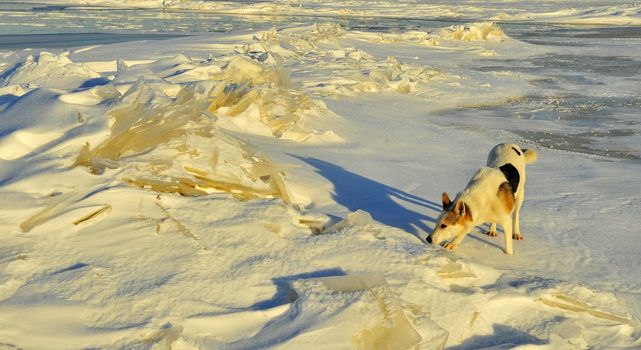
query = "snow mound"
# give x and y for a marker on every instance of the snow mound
(92, 96)
(249, 92)
(379, 76)
(49, 70)
(481, 31)
(257, 98)
(305, 38)
(26, 124)
(368, 312)
(344, 70)
(21, 142)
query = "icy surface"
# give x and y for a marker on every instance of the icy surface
(564, 11)
(272, 186)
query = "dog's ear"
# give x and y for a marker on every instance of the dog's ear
(446, 200)
(459, 209)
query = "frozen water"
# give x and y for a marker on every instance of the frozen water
(66, 40)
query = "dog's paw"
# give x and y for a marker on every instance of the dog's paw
(491, 233)
(517, 236)
(450, 245)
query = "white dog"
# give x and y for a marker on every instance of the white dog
(494, 194)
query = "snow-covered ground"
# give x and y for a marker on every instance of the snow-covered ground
(273, 187)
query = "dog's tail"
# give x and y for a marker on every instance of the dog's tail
(530, 155)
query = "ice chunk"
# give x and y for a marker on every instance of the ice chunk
(454, 270)
(395, 333)
(386, 326)
(360, 309)
(121, 65)
(164, 337)
(316, 222)
(204, 72)
(481, 31)
(357, 218)
(255, 93)
(182, 186)
(94, 215)
(393, 330)
(568, 303)
(55, 207)
(172, 146)
(376, 76)
(353, 283)
(179, 225)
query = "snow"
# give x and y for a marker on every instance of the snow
(49, 70)
(273, 188)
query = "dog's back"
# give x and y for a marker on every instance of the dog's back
(510, 153)
(511, 160)
(484, 192)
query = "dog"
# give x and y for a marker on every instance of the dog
(494, 195)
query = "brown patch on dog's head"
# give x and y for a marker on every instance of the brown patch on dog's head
(450, 218)
(455, 220)
(446, 200)
(506, 196)
(459, 214)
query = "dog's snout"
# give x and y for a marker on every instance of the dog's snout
(429, 239)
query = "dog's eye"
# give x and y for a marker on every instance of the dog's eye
(443, 226)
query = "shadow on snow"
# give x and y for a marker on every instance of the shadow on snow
(504, 337)
(386, 204)
(284, 292)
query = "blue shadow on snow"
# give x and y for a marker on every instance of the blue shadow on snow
(504, 337)
(383, 202)
(284, 292)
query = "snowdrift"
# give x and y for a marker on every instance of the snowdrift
(48, 70)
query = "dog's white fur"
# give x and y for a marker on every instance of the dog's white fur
(488, 197)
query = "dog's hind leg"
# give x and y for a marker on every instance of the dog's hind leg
(507, 227)
(492, 230)
(517, 209)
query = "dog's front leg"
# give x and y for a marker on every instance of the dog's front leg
(492, 231)
(454, 243)
(507, 227)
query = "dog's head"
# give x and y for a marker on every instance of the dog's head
(455, 220)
